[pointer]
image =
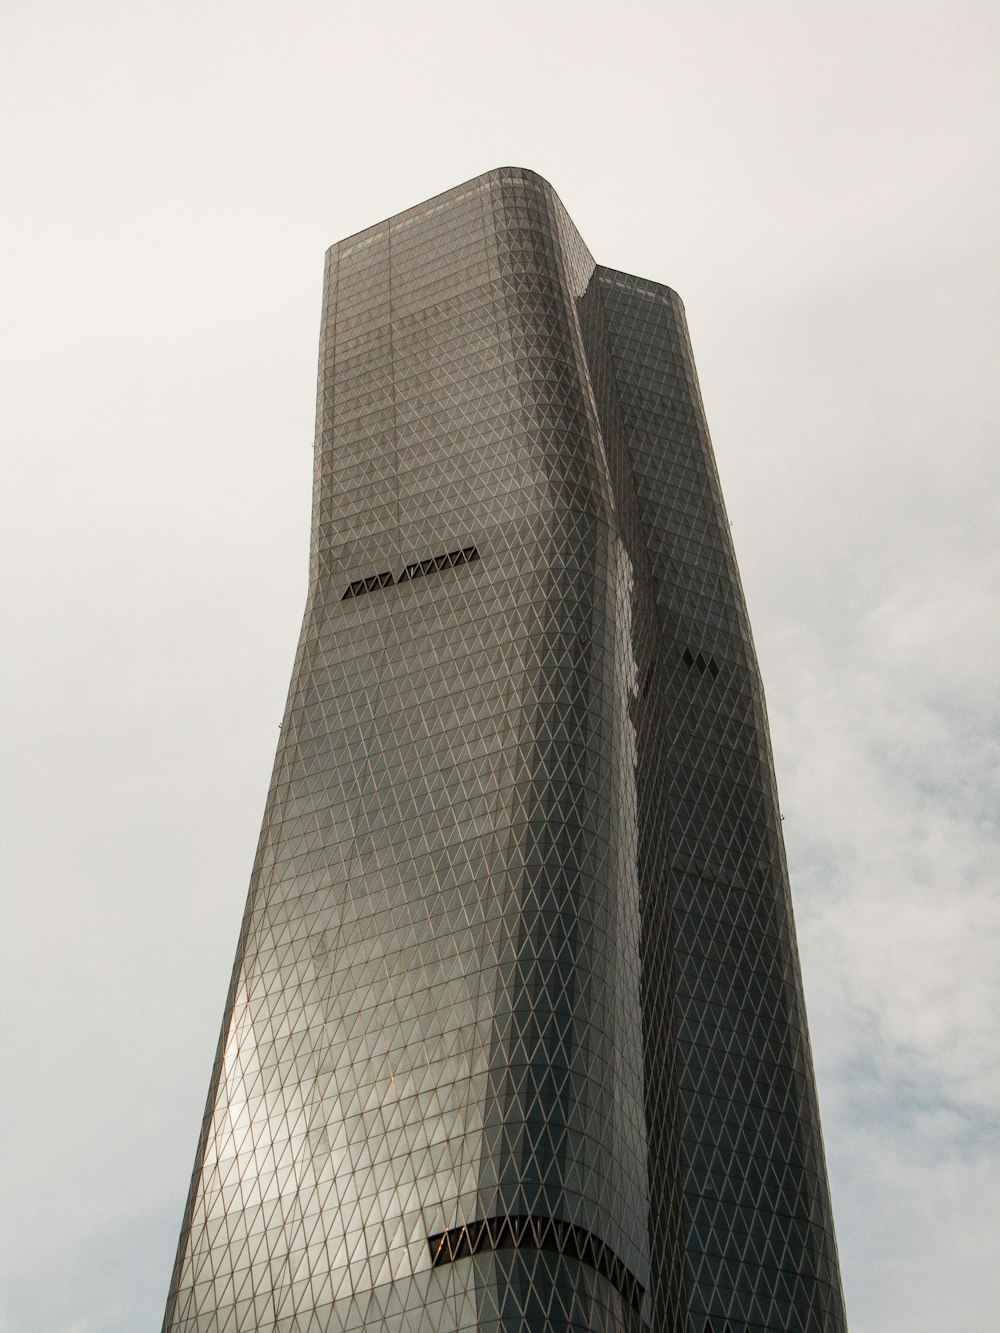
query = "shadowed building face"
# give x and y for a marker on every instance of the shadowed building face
(515, 1037)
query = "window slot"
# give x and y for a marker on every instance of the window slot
(360, 586)
(432, 565)
(700, 663)
(536, 1233)
(438, 562)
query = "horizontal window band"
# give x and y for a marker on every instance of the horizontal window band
(385, 580)
(438, 562)
(536, 1233)
(359, 586)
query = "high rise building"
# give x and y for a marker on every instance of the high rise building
(515, 1038)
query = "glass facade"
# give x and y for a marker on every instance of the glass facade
(515, 1037)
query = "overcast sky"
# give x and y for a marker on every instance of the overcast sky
(819, 182)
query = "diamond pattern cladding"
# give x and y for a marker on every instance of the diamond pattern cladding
(515, 1037)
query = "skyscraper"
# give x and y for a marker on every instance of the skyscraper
(515, 1038)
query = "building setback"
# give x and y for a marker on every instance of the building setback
(515, 1038)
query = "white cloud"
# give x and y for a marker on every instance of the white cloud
(887, 733)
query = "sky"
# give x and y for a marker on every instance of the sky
(819, 181)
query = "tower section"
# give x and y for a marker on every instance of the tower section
(519, 895)
(720, 962)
